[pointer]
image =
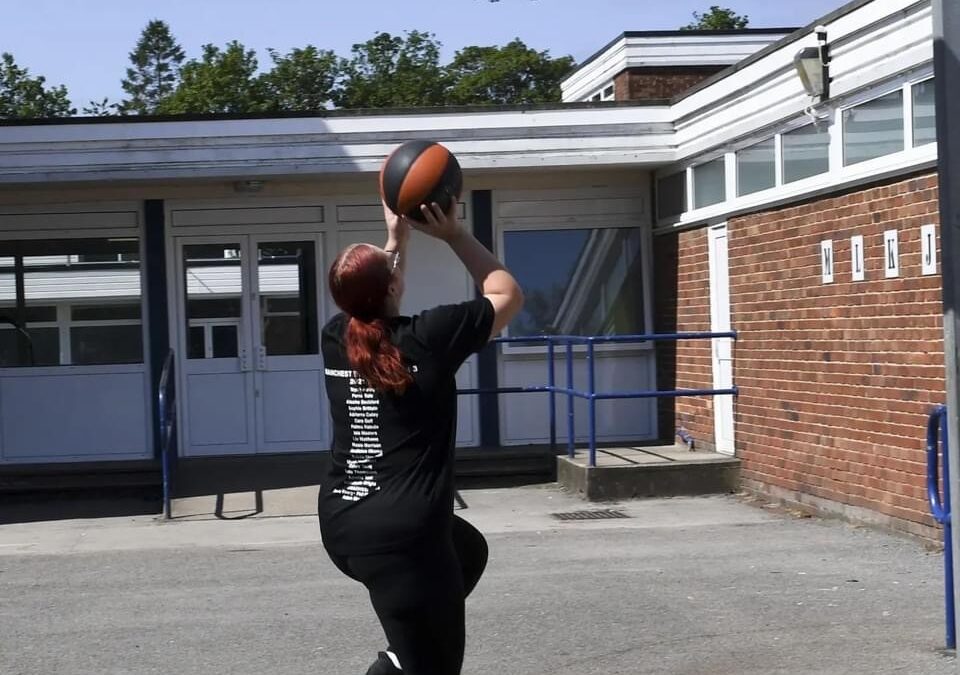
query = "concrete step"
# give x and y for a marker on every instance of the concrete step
(654, 471)
(92, 477)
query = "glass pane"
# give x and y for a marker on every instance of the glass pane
(287, 276)
(106, 312)
(214, 282)
(873, 129)
(806, 152)
(98, 345)
(578, 282)
(672, 195)
(196, 343)
(224, 308)
(54, 274)
(225, 343)
(924, 113)
(756, 168)
(36, 314)
(41, 348)
(709, 183)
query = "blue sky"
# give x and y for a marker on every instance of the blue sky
(84, 43)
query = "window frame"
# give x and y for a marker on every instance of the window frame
(837, 176)
(906, 92)
(909, 120)
(775, 141)
(585, 223)
(721, 159)
(64, 321)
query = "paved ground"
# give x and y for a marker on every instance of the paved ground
(684, 586)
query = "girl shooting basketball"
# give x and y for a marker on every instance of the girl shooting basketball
(386, 507)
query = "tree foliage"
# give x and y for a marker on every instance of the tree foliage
(391, 71)
(24, 96)
(221, 81)
(302, 80)
(717, 18)
(386, 71)
(513, 73)
(155, 70)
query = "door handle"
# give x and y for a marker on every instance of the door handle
(261, 358)
(244, 360)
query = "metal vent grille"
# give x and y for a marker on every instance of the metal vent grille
(606, 514)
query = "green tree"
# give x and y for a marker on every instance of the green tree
(392, 71)
(24, 96)
(513, 73)
(222, 81)
(302, 80)
(717, 18)
(102, 108)
(156, 63)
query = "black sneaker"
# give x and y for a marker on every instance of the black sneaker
(383, 666)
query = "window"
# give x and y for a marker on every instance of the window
(672, 195)
(70, 302)
(578, 281)
(709, 183)
(606, 94)
(756, 168)
(806, 152)
(924, 113)
(288, 317)
(873, 129)
(102, 334)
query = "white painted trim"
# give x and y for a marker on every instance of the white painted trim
(637, 51)
(723, 413)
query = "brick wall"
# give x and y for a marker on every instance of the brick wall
(644, 84)
(682, 291)
(836, 379)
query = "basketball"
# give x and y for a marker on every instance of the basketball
(420, 172)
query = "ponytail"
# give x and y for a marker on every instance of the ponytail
(359, 282)
(375, 357)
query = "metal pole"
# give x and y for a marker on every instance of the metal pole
(571, 451)
(552, 383)
(950, 606)
(946, 57)
(593, 406)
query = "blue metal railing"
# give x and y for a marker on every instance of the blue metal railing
(167, 408)
(591, 394)
(938, 446)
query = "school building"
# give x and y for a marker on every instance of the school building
(688, 182)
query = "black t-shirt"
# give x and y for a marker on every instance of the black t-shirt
(391, 480)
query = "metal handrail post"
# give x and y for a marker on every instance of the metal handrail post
(551, 384)
(571, 450)
(937, 445)
(592, 402)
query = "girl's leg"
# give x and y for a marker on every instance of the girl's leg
(418, 597)
(472, 552)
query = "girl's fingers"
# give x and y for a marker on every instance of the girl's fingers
(430, 214)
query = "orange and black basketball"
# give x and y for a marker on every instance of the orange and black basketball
(420, 172)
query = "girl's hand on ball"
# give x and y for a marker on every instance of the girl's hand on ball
(397, 226)
(439, 224)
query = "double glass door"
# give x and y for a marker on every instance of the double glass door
(251, 375)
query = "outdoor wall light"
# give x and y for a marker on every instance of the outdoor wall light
(813, 67)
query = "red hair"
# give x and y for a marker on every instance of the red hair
(360, 282)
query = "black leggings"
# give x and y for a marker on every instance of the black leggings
(418, 596)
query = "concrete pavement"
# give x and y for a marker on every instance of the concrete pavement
(682, 586)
